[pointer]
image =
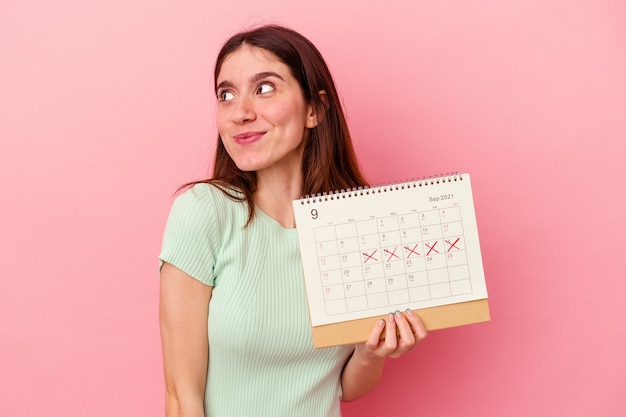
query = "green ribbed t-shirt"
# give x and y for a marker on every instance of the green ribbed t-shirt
(261, 357)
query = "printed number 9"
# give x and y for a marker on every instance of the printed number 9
(314, 214)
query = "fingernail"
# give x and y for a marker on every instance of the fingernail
(398, 314)
(381, 323)
(409, 312)
(391, 319)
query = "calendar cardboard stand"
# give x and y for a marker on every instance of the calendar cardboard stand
(434, 318)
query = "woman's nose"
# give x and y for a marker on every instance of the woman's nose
(244, 110)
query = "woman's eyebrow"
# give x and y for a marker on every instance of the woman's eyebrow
(255, 78)
(223, 84)
(266, 74)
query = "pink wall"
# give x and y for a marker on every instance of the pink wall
(106, 107)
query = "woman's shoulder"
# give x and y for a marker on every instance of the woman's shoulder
(209, 201)
(209, 193)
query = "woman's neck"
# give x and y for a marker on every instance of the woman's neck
(275, 193)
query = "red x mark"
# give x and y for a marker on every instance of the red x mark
(453, 244)
(432, 248)
(368, 256)
(392, 254)
(411, 251)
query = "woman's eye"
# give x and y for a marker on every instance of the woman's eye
(225, 96)
(265, 88)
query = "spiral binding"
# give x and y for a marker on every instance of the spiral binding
(381, 188)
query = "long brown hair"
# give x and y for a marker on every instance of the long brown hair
(329, 161)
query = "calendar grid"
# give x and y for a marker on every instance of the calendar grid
(392, 261)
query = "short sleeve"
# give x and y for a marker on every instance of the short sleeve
(191, 235)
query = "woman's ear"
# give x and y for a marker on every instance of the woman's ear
(317, 113)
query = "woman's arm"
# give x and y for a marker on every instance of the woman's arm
(364, 370)
(184, 306)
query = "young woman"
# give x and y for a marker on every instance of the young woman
(234, 323)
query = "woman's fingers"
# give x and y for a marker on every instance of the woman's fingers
(373, 341)
(390, 343)
(417, 325)
(402, 332)
(406, 335)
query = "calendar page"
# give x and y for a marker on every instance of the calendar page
(376, 250)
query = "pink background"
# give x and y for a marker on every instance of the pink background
(106, 107)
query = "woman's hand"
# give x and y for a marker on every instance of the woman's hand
(403, 331)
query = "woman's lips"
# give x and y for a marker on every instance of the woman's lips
(247, 137)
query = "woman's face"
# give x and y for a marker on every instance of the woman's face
(262, 117)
